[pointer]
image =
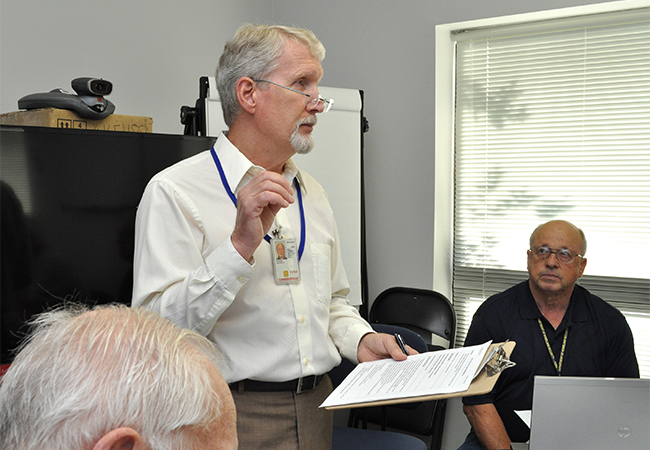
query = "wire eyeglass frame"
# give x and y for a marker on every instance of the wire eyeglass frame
(563, 255)
(327, 102)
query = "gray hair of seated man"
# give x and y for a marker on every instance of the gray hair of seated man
(82, 373)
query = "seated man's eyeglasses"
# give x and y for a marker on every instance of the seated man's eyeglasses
(327, 102)
(564, 255)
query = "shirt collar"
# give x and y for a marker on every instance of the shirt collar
(240, 170)
(528, 309)
(577, 311)
(291, 171)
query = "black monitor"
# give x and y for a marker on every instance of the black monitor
(68, 207)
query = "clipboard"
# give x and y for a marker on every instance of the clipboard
(495, 361)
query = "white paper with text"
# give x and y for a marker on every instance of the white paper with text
(431, 373)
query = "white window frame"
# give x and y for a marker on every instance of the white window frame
(444, 126)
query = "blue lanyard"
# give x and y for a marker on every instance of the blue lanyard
(232, 196)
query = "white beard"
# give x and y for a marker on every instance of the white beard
(302, 144)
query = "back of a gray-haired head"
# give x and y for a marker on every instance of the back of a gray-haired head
(254, 52)
(84, 373)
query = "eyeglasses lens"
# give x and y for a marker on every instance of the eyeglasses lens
(563, 255)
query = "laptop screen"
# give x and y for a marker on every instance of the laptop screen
(581, 413)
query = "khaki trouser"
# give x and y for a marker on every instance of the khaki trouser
(284, 420)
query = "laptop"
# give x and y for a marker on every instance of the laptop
(582, 413)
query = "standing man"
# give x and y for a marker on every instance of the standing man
(204, 236)
(559, 327)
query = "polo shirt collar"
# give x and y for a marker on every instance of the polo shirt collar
(578, 310)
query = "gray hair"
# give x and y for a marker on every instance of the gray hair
(254, 52)
(83, 373)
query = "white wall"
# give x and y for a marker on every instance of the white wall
(155, 50)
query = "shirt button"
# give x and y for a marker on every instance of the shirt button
(302, 319)
(306, 361)
(241, 279)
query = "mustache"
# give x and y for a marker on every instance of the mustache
(310, 120)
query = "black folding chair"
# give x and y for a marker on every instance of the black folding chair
(352, 437)
(431, 315)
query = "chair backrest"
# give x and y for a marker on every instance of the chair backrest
(431, 315)
(426, 312)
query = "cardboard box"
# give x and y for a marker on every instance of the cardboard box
(63, 118)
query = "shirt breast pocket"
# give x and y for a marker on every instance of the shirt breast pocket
(321, 256)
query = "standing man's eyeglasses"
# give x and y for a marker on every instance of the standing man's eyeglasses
(327, 102)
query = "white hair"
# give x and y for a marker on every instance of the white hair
(83, 373)
(254, 52)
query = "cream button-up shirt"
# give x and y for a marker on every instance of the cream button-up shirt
(187, 270)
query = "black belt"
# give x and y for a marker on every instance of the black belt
(298, 385)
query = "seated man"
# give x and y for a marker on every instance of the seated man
(559, 327)
(115, 378)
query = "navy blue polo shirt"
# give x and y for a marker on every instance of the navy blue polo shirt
(599, 344)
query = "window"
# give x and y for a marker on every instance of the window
(550, 118)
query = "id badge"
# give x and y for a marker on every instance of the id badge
(286, 269)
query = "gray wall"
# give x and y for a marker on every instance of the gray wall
(155, 50)
(386, 48)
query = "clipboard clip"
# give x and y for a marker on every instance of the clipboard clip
(498, 361)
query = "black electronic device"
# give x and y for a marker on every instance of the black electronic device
(89, 102)
(92, 86)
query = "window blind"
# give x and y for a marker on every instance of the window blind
(552, 121)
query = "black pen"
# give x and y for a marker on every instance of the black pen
(401, 343)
